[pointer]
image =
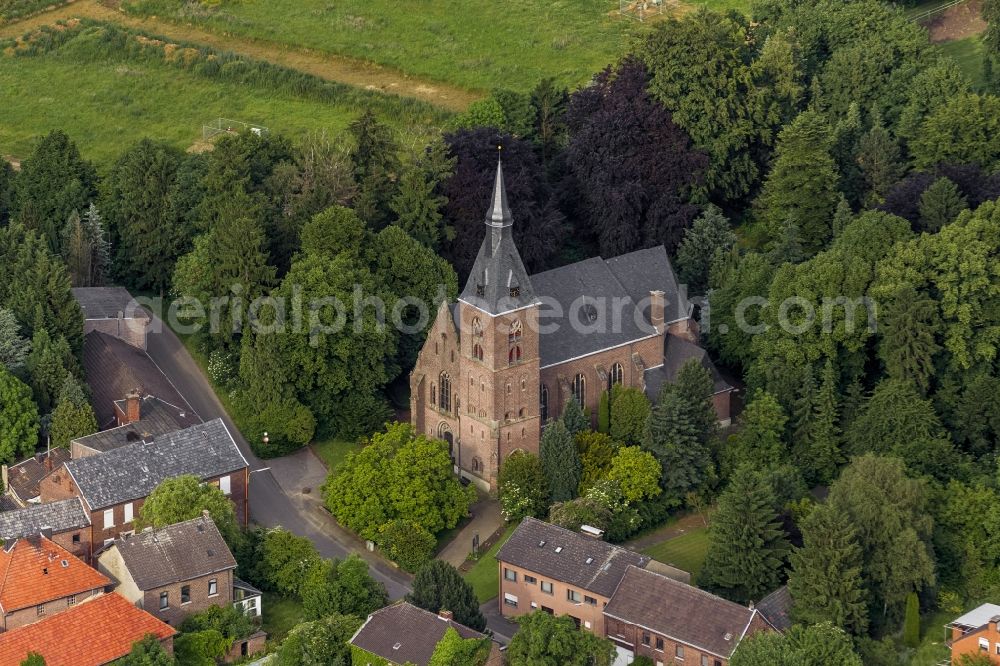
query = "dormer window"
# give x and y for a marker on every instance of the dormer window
(480, 290)
(515, 291)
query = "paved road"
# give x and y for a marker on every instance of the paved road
(271, 503)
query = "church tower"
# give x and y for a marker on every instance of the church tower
(499, 357)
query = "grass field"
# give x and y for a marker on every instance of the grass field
(107, 102)
(333, 451)
(968, 53)
(477, 44)
(686, 552)
(484, 576)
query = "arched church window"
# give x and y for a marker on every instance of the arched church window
(580, 389)
(477, 327)
(617, 373)
(514, 355)
(445, 392)
(477, 352)
(543, 402)
(514, 335)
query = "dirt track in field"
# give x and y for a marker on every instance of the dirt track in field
(324, 65)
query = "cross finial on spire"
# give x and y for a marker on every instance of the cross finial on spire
(499, 213)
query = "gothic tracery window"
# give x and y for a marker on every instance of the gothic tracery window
(580, 389)
(444, 401)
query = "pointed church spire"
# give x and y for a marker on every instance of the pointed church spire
(498, 281)
(499, 213)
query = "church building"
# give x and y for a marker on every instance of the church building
(515, 348)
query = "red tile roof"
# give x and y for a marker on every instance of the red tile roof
(35, 570)
(92, 634)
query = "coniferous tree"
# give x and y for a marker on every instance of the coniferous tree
(604, 413)
(821, 451)
(825, 579)
(14, 348)
(574, 418)
(908, 345)
(18, 419)
(675, 437)
(747, 546)
(375, 162)
(76, 251)
(417, 205)
(842, 216)
(802, 184)
(847, 134)
(549, 102)
(439, 586)
(803, 407)
(7, 176)
(759, 438)
(54, 180)
(708, 239)
(560, 461)
(48, 365)
(100, 246)
(787, 247)
(629, 412)
(940, 204)
(878, 155)
(73, 416)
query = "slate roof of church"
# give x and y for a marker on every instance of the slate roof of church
(498, 281)
(58, 516)
(676, 352)
(133, 471)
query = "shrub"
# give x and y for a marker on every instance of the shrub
(911, 621)
(406, 543)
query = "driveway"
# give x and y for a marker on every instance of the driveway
(283, 491)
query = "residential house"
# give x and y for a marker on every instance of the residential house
(112, 311)
(174, 571)
(667, 621)
(546, 567)
(777, 609)
(139, 418)
(92, 633)
(405, 634)
(114, 484)
(114, 369)
(976, 633)
(21, 481)
(39, 578)
(489, 375)
(65, 522)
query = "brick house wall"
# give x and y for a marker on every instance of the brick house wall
(106, 527)
(985, 641)
(132, 331)
(176, 612)
(662, 649)
(24, 616)
(75, 541)
(530, 597)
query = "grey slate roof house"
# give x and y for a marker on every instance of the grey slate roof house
(155, 417)
(173, 571)
(405, 634)
(55, 517)
(21, 481)
(113, 485)
(651, 615)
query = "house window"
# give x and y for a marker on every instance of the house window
(514, 355)
(224, 485)
(704, 660)
(573, 596)
(164, 600)
(40, 610)
(679, 651)
(76, 538)
(543, 402)
(514, 334)
(645, 640)
(580, 389)
(71, 600)
(128, 513)
(445, 399)
(617, 372)
(510, 600)
(659, 644)
(109, 518)
(590, 600)
(510, 574)
(185, 594)
(531, 580)
(213, 587)
(546, 587)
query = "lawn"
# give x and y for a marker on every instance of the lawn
(476, 44)
(280, 614)
(685, 552)
(485, 575)
(333, 451)
(968, 53)
(107, 102)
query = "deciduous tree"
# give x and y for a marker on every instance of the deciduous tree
(545, 639)
(321, 642)
(185, 497)
(453, 650)
(523, 487)
(341, 586)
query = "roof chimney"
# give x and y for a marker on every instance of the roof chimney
(133, 407)
(446, 615)
(751, 606)
(656, 307)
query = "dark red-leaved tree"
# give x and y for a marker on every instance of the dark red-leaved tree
(539, 227)
(635, 168)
